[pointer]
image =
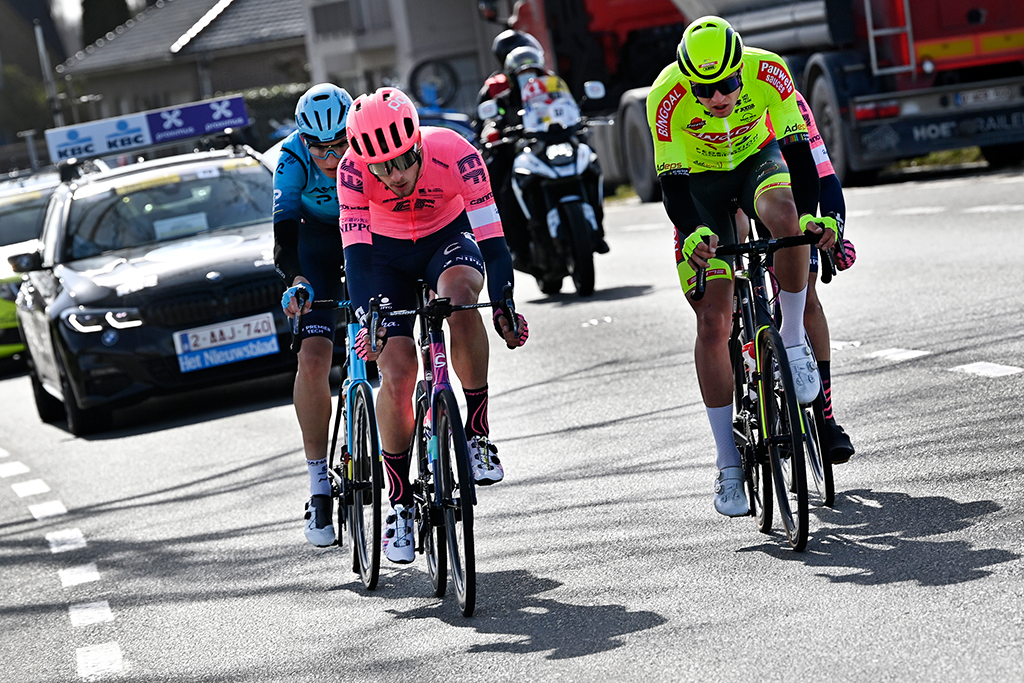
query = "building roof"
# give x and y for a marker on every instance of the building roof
(176, 28)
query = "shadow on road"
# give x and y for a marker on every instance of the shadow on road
(610, 294)
(884, 538)
(510, 604)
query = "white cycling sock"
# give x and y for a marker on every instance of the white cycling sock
(721, 427)
(319, 482)
(792, 305)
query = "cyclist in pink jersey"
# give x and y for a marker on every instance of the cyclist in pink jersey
(416, 204)
(830, 203)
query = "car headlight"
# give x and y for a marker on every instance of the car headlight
(558, 151)
(87, 320)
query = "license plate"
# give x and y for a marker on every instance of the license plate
(984, 96)
(230, 342)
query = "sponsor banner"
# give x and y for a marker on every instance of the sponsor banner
(108, 137)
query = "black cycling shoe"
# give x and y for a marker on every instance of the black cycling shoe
(842, 448)
(600, 246)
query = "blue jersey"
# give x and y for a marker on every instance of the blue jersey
(301, 190)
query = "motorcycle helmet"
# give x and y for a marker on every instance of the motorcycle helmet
(523, 58)
(383, 125)
(709, 51)
(322, 111)
(506, 41)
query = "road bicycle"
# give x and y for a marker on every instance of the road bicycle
(774, 433)
(356, 471)
(444, 491)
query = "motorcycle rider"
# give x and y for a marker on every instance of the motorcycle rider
(521, 65)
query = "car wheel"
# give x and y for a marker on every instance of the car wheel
(49, 408)
(82, 421)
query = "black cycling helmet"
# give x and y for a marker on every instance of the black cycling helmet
(506, 41)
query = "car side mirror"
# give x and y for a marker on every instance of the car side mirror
(26, 263)
(487, 110)
(594, 90)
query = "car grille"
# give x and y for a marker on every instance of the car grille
(215, 304)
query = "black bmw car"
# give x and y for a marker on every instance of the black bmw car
(152, 278)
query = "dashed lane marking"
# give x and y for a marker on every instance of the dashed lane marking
(98, 661)
(32, 487)
(995, 208)
(13, 469)
(986, 369)
(51, 508)
(919, 211)
(74, 576)
(898, 354)
(4, 454)
(65, 540)
(87, 613)
(594, 321)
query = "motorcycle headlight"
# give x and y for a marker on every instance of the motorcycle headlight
(561, 151)
(88, 320)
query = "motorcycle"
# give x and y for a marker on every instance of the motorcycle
(556, 180)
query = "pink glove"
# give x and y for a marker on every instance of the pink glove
(362, 345)
(845, 254)
(524, 328)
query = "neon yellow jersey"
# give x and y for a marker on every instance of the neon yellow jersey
(687, 138)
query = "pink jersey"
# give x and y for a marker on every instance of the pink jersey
(818, 150)
(453, 179)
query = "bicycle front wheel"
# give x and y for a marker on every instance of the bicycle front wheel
(818, 462)
(455, 480)
(366, 481)
(430, 534)
(784, 433)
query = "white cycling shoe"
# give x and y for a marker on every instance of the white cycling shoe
(805, 373)
(398, 545)
(319, 526)
(730, 495)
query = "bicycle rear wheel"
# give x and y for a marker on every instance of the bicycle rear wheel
(457, 497)
(755, 464)
(366, 482)
(818, 462)
(783, 427)
(430, 534)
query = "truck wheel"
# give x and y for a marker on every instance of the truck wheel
(826, 115)
(638, 150)
(1004, 156)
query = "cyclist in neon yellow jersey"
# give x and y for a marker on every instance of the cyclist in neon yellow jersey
(707, 114)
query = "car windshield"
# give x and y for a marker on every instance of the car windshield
(21, 215)
(180, 203)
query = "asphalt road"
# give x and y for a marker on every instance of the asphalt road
(170, 549)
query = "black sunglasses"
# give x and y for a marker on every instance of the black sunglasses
(402, 162)
(724, 86)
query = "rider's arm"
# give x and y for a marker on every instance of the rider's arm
(356, 238)
(803, 174)
(831, 197)
(679, 205)
(289, 181)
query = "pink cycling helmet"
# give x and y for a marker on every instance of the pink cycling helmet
(383, 125)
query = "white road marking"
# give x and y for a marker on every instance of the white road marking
(918, 211)
(32, 487)
(66, 539)
(986, 369)
(839, 345)
(83, 573)
(859, 213)
(86, 613)
(898, 354)
(4, 454)
(97, 661)
(595, 321)
(995, 208)
(12, 469)
(51, 508)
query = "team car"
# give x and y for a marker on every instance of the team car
(151, 278)
(21, 207)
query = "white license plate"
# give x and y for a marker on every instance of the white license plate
(984, 96)
(230, 342)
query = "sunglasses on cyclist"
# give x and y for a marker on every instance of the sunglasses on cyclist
(319, 150)
(402, 162)
(725, 86)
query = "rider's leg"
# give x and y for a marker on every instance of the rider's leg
(312, 397)
(469, 345)
(777, 211)
(395, 416)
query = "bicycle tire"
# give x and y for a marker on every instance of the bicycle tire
(755, 464)
(457, 498)
(819, 464)
(429, 531)
(364, 503)
(782, 426)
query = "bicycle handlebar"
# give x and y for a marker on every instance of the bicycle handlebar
(762, 246)
(302, 296)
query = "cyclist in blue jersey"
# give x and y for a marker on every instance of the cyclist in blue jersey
(308, 255)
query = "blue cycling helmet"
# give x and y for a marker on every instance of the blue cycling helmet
(322, 112)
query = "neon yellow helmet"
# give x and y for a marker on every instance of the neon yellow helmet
(709, 51)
